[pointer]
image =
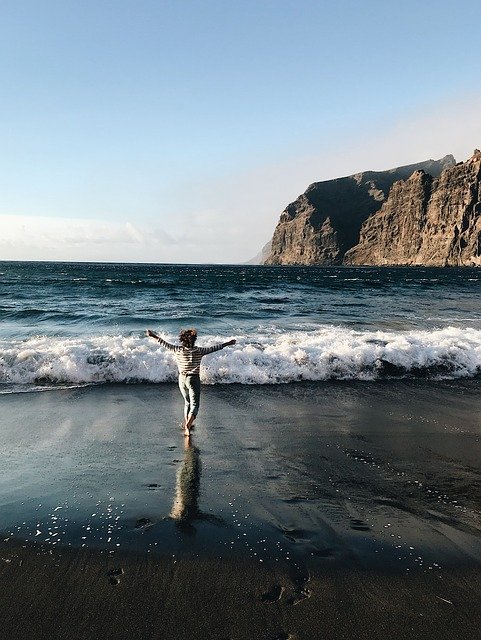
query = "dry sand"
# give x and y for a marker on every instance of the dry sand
(301, 511)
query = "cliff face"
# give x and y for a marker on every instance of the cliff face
(426, 221)
(262, 256)
(325, 221)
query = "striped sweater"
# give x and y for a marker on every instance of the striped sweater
(188, 359)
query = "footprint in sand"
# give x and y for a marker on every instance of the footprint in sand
(143, 523)
(359, 525)
(114, 575)
(301, 592)
(274, 595)
(294, 535)
(324, 553)
(302, 595)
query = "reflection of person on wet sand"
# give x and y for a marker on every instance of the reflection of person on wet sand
(188, 358)
(185, 507)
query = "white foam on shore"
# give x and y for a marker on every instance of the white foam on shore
(323, 354)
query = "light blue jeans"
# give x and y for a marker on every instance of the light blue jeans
(190, 389)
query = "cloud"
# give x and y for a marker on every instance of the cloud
(43, 238)
(232, 216)
(229, 217)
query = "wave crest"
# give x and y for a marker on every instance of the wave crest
(324, 354)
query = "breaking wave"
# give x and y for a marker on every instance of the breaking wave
(328, 353)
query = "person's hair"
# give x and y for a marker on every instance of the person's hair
(188, 337)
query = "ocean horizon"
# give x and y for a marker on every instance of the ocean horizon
(84, 323)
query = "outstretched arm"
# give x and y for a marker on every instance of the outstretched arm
(205, 350)
(162, 342)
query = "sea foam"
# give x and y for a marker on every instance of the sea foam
(328, 353)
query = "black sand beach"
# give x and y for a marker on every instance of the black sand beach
(307, 511)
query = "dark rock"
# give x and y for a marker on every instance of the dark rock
(426, 221)
(325, 221)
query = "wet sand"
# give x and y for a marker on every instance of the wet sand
(346, 510)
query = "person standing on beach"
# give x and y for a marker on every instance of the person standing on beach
(188, 358)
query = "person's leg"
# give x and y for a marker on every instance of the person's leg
(184, 389)
(193, 383)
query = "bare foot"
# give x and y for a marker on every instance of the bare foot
(188, 424)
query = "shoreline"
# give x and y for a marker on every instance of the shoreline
(338, 510)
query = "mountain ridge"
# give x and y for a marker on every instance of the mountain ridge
(325, 222)
(426, 221)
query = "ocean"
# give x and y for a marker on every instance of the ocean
(334, 464)
(68, 324)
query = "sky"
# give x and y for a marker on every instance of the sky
(178, 131)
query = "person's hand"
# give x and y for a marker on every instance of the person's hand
(231, 342)
(151, 334)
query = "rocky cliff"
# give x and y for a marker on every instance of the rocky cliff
(426, 221)
(262, 256)
(325, 221)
